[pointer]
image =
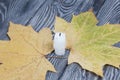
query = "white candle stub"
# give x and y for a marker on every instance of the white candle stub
(59, 43)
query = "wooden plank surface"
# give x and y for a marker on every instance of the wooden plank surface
(41, 13)
(74, 71)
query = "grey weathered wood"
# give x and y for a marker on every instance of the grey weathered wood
(109, 12)
(60, 63)
(41, 13)
(74, 71)
(111, 73)
(117, 44)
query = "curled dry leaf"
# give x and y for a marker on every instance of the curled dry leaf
(91, 46)
(23, 57)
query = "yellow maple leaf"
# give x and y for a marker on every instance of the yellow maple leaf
(91, 46)
(23, 57)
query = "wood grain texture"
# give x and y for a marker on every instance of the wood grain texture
(74, 71)
(41, 13)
